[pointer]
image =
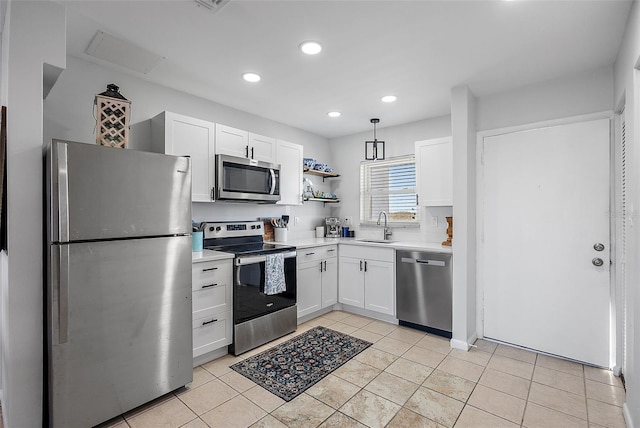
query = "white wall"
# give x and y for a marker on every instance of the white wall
(347, 153)
(68, 115)
(35, 35)
(627, 92)
(586, 92)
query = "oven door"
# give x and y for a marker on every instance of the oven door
(249, 299)
(247, 180)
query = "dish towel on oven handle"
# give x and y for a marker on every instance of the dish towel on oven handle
(274, 274)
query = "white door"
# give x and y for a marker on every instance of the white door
(545, 207)
(232, 141)
(262, 148)
(379, 291)
(330, 282)
(290, 156)
(193, 137)
(434, 171)
(351, 280)
(309, 296)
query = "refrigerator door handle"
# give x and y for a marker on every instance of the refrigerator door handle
(63, 194)
(62, 288)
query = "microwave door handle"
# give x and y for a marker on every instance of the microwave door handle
(273, 181)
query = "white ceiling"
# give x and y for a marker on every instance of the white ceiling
(417, 50)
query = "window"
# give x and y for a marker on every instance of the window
(389, 185)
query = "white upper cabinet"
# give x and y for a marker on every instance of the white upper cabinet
(175, 134)
(262, 148)
(289, 156)
(236, 142)
(434, 172)
(232, 141)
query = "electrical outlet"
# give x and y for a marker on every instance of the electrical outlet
(296, 220)
(434, 221)
(347, 221)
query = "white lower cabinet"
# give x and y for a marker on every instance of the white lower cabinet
(317, 279)
(212, 302)
(367, 278)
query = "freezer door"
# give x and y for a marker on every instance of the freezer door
(97, 193)
(119, 326)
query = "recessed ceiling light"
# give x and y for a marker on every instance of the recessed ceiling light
(310, 47)
(388, 98)
(334, 114)
(251, 77)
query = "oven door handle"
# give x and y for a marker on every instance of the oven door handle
(248, 260)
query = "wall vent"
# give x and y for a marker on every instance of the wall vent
(213, 5)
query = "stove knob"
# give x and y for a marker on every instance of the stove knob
(218, 229)
(211, 229)
(259, 226)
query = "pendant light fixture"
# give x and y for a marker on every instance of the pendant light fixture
(374, 150)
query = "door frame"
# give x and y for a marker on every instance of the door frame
(480, 199)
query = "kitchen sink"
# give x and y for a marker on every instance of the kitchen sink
(376, 241)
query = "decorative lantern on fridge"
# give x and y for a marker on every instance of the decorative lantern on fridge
(113, 112)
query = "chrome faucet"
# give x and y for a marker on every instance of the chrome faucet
(387, 232)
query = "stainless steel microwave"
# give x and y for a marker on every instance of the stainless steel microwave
(248, 180)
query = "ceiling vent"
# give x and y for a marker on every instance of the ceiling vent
(123, 53)
(213, 5)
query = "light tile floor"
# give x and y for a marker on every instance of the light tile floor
(406, 379)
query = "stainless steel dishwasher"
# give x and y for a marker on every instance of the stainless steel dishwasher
(424, 290)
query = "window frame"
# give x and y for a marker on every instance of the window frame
(367, 193)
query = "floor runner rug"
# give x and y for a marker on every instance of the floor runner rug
(290, 368)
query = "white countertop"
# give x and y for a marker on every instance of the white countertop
(398, 245)
(209, 255)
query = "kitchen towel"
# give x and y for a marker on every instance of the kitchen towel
(274, 274)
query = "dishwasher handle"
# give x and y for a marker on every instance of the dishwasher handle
(423, 262)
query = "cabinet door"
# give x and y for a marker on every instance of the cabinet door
(262, 148)
(211, 332)
(231, 141)
(330, 282)
(434, 172)
(379, 287)
(289, 156)
(309, 292)
(184, 135)
(351, 279)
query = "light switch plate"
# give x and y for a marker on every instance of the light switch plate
(434, 221)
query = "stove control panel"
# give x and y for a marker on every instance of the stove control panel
(232, 229)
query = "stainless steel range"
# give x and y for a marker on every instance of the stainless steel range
(261, 313)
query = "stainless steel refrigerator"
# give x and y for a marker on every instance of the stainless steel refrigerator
(118, 280)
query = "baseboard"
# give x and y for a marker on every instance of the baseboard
(371, 314)
(459, 344)
(472, 339)
(627, 415)
(462, 345)
(315, 314)
(210, 356)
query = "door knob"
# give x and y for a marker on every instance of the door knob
(598, 246)
(597, 262)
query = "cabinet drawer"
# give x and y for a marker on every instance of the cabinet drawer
(330, 252)
(211, 333)
(310, 254)
(217, 299)
(368, 252)
(205, 274)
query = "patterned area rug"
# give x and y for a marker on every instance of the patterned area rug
(290, 368)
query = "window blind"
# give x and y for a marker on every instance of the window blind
(389, 185)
